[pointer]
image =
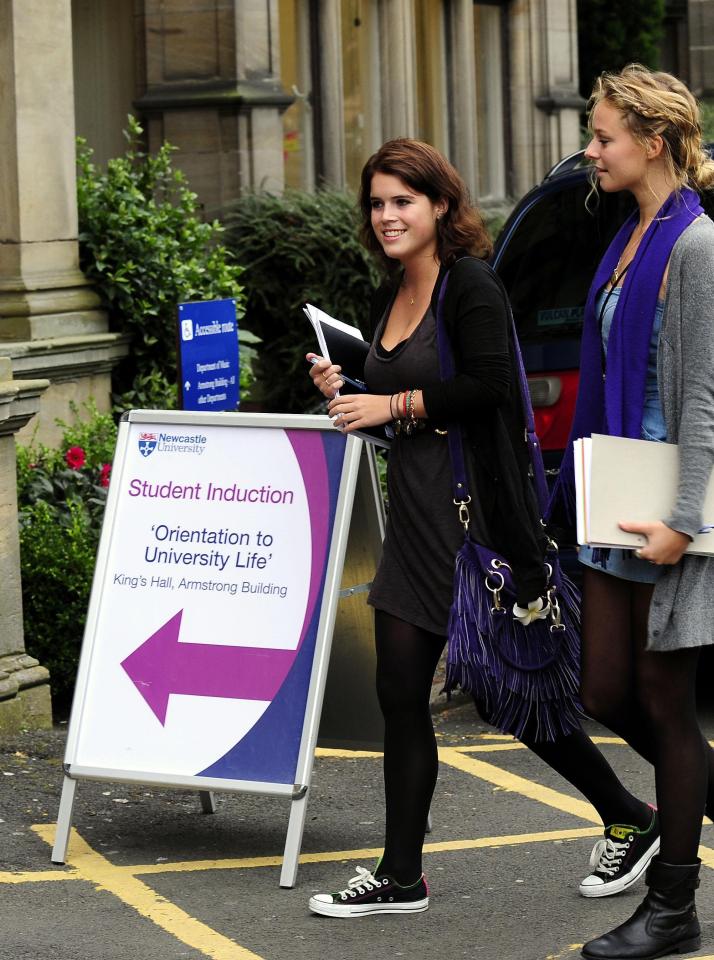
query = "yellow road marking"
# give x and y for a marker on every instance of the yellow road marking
(367, 854)
(340, 754)
(706, 855)
(95, 868)
(497, 742)
(347, 754)
(243, 863)
(508, 736)
(39, 876)
(516, 784)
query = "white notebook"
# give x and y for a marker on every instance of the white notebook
(343, 344)
(618, 479)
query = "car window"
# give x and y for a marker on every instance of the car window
(548, 262)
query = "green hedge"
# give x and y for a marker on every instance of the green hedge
(144, 247)
(61, 499)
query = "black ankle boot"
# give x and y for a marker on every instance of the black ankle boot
(664, 923)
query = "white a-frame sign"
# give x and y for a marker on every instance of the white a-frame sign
(210, 618)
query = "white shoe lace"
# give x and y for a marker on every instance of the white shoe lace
(607, 855)
(362, 883)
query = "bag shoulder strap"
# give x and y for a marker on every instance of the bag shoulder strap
(447, 368)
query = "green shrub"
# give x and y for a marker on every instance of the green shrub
(146, 250)
(57, 568)
(707, 112)
(61, 500)
(297, 248)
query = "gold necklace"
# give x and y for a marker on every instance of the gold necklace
(412, 300)
(617, 273)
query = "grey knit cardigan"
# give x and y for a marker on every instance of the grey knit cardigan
(683, 599)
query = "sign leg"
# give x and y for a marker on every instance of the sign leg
(293, 840)
(64, 820)
(208, 801)
(429, 822)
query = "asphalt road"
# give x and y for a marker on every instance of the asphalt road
(150, 876)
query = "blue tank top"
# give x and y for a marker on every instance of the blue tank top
(653, 426)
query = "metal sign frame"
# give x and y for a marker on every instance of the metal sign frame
(328, 603)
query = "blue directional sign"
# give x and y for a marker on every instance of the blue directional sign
(208, 355)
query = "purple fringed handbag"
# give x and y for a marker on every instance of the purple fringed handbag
(523, 675)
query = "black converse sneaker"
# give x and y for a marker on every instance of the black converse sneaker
(369, 894)
(621, 858)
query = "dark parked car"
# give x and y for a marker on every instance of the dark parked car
(546, 256)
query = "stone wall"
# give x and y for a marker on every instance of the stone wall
(24, 687)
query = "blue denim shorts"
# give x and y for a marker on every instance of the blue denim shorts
(623, 564)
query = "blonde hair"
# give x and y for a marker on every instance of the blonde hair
(653, 103)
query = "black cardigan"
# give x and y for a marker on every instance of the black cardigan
(485, 398)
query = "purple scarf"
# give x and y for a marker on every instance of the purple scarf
(614, 406)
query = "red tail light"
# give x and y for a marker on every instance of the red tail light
(553, 398)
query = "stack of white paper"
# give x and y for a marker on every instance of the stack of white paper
(618, 479)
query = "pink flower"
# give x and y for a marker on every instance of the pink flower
(104, 474)
(75, 458)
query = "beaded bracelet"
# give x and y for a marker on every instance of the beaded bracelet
(410, 423)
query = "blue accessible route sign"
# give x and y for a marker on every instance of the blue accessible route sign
(208, 355)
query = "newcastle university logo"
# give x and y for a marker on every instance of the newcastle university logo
(147, 444)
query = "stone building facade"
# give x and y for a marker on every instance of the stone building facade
(263, 94)
(256, 94)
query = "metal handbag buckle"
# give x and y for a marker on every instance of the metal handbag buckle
(496, 591)
(464, 517)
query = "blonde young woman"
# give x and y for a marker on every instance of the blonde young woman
(647, 371)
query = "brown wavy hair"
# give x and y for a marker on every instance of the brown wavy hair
(653, 103)
(459, 231)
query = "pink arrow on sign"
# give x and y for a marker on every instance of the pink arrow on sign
(162, 666)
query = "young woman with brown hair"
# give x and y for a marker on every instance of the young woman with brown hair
(418, 221)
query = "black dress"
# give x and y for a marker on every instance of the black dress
(414, 580)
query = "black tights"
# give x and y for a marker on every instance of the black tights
(406, 660)
(648, 699)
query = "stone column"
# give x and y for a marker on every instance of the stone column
(464, 145)
(45, 302)
(212, 88)
(332, 121)
(701, 46)
(398, 68)
(24, 684)
(544, 87)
